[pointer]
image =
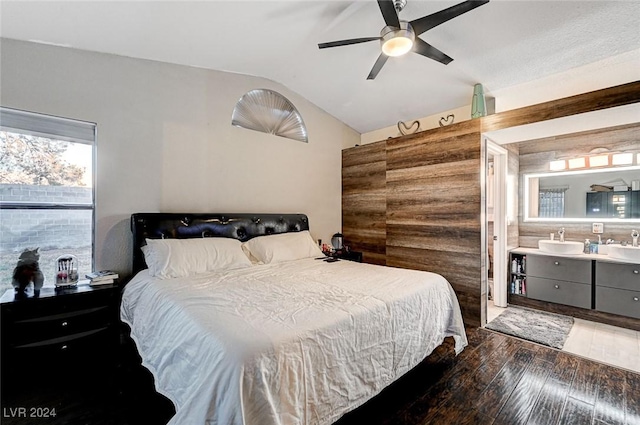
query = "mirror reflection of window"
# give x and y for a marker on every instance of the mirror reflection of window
(551, 202)
(588, 194)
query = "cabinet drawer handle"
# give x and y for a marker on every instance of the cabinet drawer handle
(557, 263)
(556, 286)
(65, 323)
(636, 299)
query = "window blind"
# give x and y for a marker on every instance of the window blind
(16, 121)
(551, 202)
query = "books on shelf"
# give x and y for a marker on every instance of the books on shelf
(101, 282)
(518, 284)
(102, 277)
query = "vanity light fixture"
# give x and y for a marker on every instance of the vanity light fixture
(599, 160)
(622, 159)
(577, 163)
(558, 165)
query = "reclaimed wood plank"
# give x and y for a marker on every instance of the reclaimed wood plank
(548, 408)
(494, 397)
(610, 401)
(364, 201)
(620, 95)
(523, 398)
(632, 398)
(448, 401)
(576, 412)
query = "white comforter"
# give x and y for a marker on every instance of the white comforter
(301, 342)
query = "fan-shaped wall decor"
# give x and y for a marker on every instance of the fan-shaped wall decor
(269, 112)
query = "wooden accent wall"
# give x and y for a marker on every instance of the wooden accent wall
(364, 204)
(416, 201)
(624, 94)
(433, 208)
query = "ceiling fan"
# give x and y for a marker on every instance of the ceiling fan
(400, 37)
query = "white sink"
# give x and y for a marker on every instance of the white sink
(557, 247)
(626, 253)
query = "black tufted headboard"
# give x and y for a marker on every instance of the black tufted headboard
(183, 226)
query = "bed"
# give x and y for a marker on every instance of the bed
(280, 336)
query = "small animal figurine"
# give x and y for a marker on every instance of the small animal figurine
(28, 270)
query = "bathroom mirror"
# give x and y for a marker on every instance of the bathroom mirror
(563, 196)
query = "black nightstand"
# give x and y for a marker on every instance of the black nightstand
(62, 329)
(350, 255)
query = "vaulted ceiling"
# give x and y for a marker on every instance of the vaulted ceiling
(500, 44)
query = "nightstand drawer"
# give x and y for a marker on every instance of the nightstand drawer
(58, 304)
(57, 325)
(61, 333)
(75, 347)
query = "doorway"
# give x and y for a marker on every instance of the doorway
(496, 227)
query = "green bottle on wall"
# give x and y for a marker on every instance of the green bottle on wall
(478, 102)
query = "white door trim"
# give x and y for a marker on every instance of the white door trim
(500, 157)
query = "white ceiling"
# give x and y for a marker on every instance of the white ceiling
(500, 44)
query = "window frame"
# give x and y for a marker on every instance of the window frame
(67, 138)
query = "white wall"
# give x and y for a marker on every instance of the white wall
(165, 140)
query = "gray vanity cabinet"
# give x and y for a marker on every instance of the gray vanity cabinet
(559, 280)
(618, 288)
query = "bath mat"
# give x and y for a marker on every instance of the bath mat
(533, 325)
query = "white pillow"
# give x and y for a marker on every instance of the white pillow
(167, 258)
(283, 247)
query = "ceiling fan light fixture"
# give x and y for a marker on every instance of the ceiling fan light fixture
(397, 46)
(397, 42)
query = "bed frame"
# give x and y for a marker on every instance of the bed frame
(239, 226)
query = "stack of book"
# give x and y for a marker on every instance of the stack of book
(102, 277)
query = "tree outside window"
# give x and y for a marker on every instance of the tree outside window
(46, 200)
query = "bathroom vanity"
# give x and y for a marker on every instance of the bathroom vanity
(559, 279)
(617, 288)
(590, 286)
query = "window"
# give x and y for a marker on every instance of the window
(551, 202)
(46, 191)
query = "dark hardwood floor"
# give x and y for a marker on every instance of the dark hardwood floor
(495, 380)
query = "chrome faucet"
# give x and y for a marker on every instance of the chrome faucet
(634, 235)
(561, 233)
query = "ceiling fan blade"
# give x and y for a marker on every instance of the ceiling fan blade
(346, 42)
(389, 13)
(382, 59)
(425, 23)
(423, 48)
